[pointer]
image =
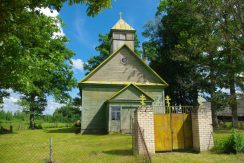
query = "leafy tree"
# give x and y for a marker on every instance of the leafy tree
(25, 31)
(162, 39)
(230, 20)
(203, 38)
(104, 51)
(5, 116)
(35, 61)
(68, 113)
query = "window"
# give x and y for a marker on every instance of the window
(130, 36)
(122, 36)
(116, 36)
(115, 113)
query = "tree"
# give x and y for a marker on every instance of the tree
(21, 24)
(104, 51)
(48, 71)
(163, 36)
(35, 61)
(231, 25)
(68, 113)
(203, 38)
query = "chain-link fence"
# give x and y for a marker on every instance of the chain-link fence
(66, 151)
(18, 154)
(8, 127)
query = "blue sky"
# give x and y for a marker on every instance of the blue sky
(82, 32)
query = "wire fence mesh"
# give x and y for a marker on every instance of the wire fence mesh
(68, 150)
(24, 125)
(17, 153)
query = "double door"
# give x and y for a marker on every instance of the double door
(172, 131)
(127, 119)
(122, 119)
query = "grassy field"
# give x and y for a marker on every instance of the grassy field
(24, 125)
(33, 146)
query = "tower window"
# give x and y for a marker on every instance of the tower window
(130, 36)
(122, 36)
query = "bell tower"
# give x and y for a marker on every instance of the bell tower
(122, 33)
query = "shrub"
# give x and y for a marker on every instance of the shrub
(77, 123)
(38, 126)
(232, 144)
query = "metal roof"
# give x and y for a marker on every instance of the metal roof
(122, 25)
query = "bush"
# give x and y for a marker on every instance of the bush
(56, 125)
(77, 123)
(38, 126)
(233, 144)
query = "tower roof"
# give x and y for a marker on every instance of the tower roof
(122, 25)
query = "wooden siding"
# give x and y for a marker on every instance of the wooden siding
(116, 44)
(94, 109)
(156, 93)
(133, 71)
(95, 113)
(131, 93)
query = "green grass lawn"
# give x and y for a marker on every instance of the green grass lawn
(33, 146)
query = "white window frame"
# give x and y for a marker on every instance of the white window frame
(117, 118)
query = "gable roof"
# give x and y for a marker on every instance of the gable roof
(122, 25)
(148, 98)
(111, 56)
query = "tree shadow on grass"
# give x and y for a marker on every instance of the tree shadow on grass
(120, 152)
(6, 131)
(191, 151)
(75, 130)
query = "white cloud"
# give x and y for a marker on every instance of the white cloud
(52, 106)
(52, 13)
(227, 90)
(61, 32)
(220, 48)
(48, 12)
(10, 103)
(81, 33)
(77, 64)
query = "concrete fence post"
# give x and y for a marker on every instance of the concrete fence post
(143, 131)
(202, 129)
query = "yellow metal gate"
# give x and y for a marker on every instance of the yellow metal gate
(173, 131)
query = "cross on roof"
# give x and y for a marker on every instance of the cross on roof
(167, 99)
(142, 98)
(120, 15)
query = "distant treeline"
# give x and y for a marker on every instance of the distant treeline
(64, 114)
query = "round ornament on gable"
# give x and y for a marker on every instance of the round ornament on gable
(124, 60)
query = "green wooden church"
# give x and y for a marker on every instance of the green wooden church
(111, 92)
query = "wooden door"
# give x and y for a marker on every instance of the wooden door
(127, 119)
(162, 132)
(172, 131)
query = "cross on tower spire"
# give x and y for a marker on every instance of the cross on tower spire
(120, 15)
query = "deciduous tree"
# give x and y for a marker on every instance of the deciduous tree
(200, 44)
(34, 60)
(104, 51)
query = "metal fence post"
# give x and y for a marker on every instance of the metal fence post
(51, 151)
